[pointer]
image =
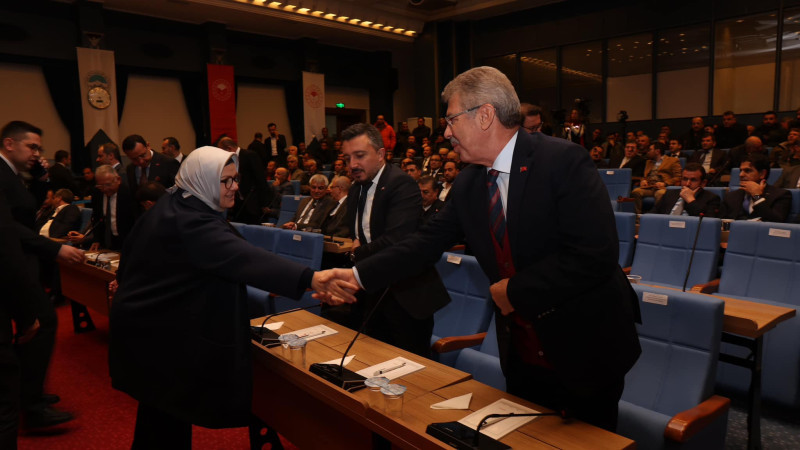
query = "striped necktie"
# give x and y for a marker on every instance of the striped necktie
(497, 219)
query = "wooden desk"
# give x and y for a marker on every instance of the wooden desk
(339, 245)
(86, 286)
(311, 412)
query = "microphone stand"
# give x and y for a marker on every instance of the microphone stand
(462, 437)
(267, 337)
(694, 247)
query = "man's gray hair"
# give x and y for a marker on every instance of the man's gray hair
(105, 169)
(318, 179)
(483, 85)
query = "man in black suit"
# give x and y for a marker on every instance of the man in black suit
(739, 153)
(65, 217)
(276, 145)
(565, 310)
(421, 131)
(713, 160)
(261, 150)
(312, 211)
(254, 196)
(172, 148)
(21, 148)
(630, 160)
(108, 154)
(756, 198)
(692, 199)
(384, 206)
(147, 165)
(60, 175)
(336, 222)
(429, 190)
(113, 212)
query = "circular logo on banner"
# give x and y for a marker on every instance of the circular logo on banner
(313, 96)
(221, 89)
(98, 95)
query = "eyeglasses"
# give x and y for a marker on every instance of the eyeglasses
(32, 147)
(449, 119)
(228, 182)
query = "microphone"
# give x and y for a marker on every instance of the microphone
(92, 225)
(460, 436)
(694, 247)
(267, 337)
(338, 374)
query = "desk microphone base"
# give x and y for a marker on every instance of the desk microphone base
(338, 375)
(265, 337)
(462, 437)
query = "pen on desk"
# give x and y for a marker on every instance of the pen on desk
(312, 334)
(389, 369)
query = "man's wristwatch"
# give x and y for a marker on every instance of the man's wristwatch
(757, 197)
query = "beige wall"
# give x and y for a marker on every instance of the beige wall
(744, 89)
(630, 93)
(682, 93)
(257, 105)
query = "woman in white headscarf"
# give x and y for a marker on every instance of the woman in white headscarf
(179, 327)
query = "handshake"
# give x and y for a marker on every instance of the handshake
(335, 286)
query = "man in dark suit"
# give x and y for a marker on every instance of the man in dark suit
(60, 175)
(336, 222)
(630, 160)
(312, 211)
(254, 196)
(276, 145)
(429, 190)
(65, 217)
(172, 148)
(713, 160)
(790, 178)
(108, 154)
(113, 212)
(147, 165)
(421, 131)
(384, 206)
(756, 198)
(261, 150)
(21, 148)
(540, 225)
(691, 199)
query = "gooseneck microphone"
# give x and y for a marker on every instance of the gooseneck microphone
(460, 436)
(338, 374)
(267, 337)
(694, 247)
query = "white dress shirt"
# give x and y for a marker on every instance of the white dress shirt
(365, 216)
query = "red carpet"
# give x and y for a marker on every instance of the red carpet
(104, 417)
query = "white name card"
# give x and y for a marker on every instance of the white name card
(677, 224)
(297, 237)
(297, 197)
(453, 259)
(657, 299)
(777, 232)
(609, 172)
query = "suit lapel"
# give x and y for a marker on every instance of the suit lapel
(377, 200)
(521, 164)
(476, 205)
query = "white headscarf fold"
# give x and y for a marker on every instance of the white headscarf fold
(200, 173)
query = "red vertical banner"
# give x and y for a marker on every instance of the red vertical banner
(221, 101)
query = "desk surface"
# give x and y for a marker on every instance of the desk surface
(308, 410)
(87, 285)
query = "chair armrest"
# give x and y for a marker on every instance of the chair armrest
(457, 248)
(452, 343)
(707, 288)
(626, 270)
(687, 423)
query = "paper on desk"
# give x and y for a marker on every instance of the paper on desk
(273, 326)
(315, 332)
(408, 367)
(502, 427)
(338, 361)
(460, 402)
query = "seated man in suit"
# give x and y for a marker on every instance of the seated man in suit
(147, 165)
(756, 199)
(692, 199)
(787, 154)
(312, 211)
(412, 169)
(675, 148)
(596, 153)
(113, 212)
(714, 160)
(451, 170)
(336, 222)
(295, 172)
(661, 171)
(630, 160)
(65, 217)
(751, 145)
(790, 178)
(429, 189)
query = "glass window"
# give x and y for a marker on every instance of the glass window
(790, 61)
(582, 78)
(630, 77)
(506, 64)
(538, 71)
(744, 64)
(682, 62)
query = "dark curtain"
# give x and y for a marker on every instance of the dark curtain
(63, 82)
(195, 94)
(122, 91)
(293, 90)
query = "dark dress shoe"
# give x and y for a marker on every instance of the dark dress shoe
(50, 399)
(45, 417)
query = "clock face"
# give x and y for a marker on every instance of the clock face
(99, 98)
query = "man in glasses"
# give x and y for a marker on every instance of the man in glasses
(113, 212)
(312, 211)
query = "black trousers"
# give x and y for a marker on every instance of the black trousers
(597, 403)
(9, 396)
(34, 356)
(156, 429)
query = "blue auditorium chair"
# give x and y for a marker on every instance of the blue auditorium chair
(484, 363)
(617, 181)
(305, 248)
(772, 177)
(668, 401)
(296, 186)
(794, 213)
(86, 217)
(470, 308)
(626, 233)
(665, 245)
(762, 264)
(289, 204)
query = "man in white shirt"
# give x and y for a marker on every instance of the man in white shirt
(449, 176)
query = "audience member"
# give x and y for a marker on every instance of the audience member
(642, 144)
(403, 135)
(731, 133)
(612, 147)
(412, 168)
(60, 174)
(787, 154)
(86, 183)
(630, 160)
(108, 155)
(427, 152)
(660, 171)
(340, 169)
(442, 127)
(149, 193)
(253, 197)
(713, 160)
(387, 133)
(435, 169)
(770, 131)
(451, 171)
(691, 199)
(276, 145)
(295, 172)
(258, 146)
(739, 153)
(113, 212)
(596, 153)
(421, 131)
(146, 165)
(756, 199)
(575, 130)
(281, 185)
(675, 148)
(790, 178)
(269, 172)
(313, 210)
(335, 223)
(170, 147)
(64, 218)
(429, 189)
(691, 139)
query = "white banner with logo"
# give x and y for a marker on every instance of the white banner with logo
(313, 104)
(98, 93)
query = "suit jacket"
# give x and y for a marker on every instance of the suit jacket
(669, 171)
(68, 219)
(126, 215)
(62, 178)
(396, 210)
(326, 204)
(789, 178)
(436, 174)
(162, 169)
(261, 150)
(775, 208)
(718, 159)
(254, 194)
(564, 247)
(636, 164)
(336, 222)
(281, 146)
(704, 202)
(435, 207)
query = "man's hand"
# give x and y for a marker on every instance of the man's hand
(661, 185)
(688, 194)
(754, 188)
(26, 335)
(75, 237)
(500, 296)
(289, 226)
(356, 244)
(67, 254)
(112, 289)
(95, 247)
(335, 286)
(644, 184)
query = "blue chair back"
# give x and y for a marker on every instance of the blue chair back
(328, 174)
(733, 184)
(794, 213)
(86, 216)
(484, 364)
(682, 160)
(665, 245)
(774, 174)
(296, 186)
(687, 153)
(763, 261)
(300, 246)
(626, 233)
(260, 236)
(772, 178)
(617, 181)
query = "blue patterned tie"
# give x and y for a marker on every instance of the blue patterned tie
(497, 219)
